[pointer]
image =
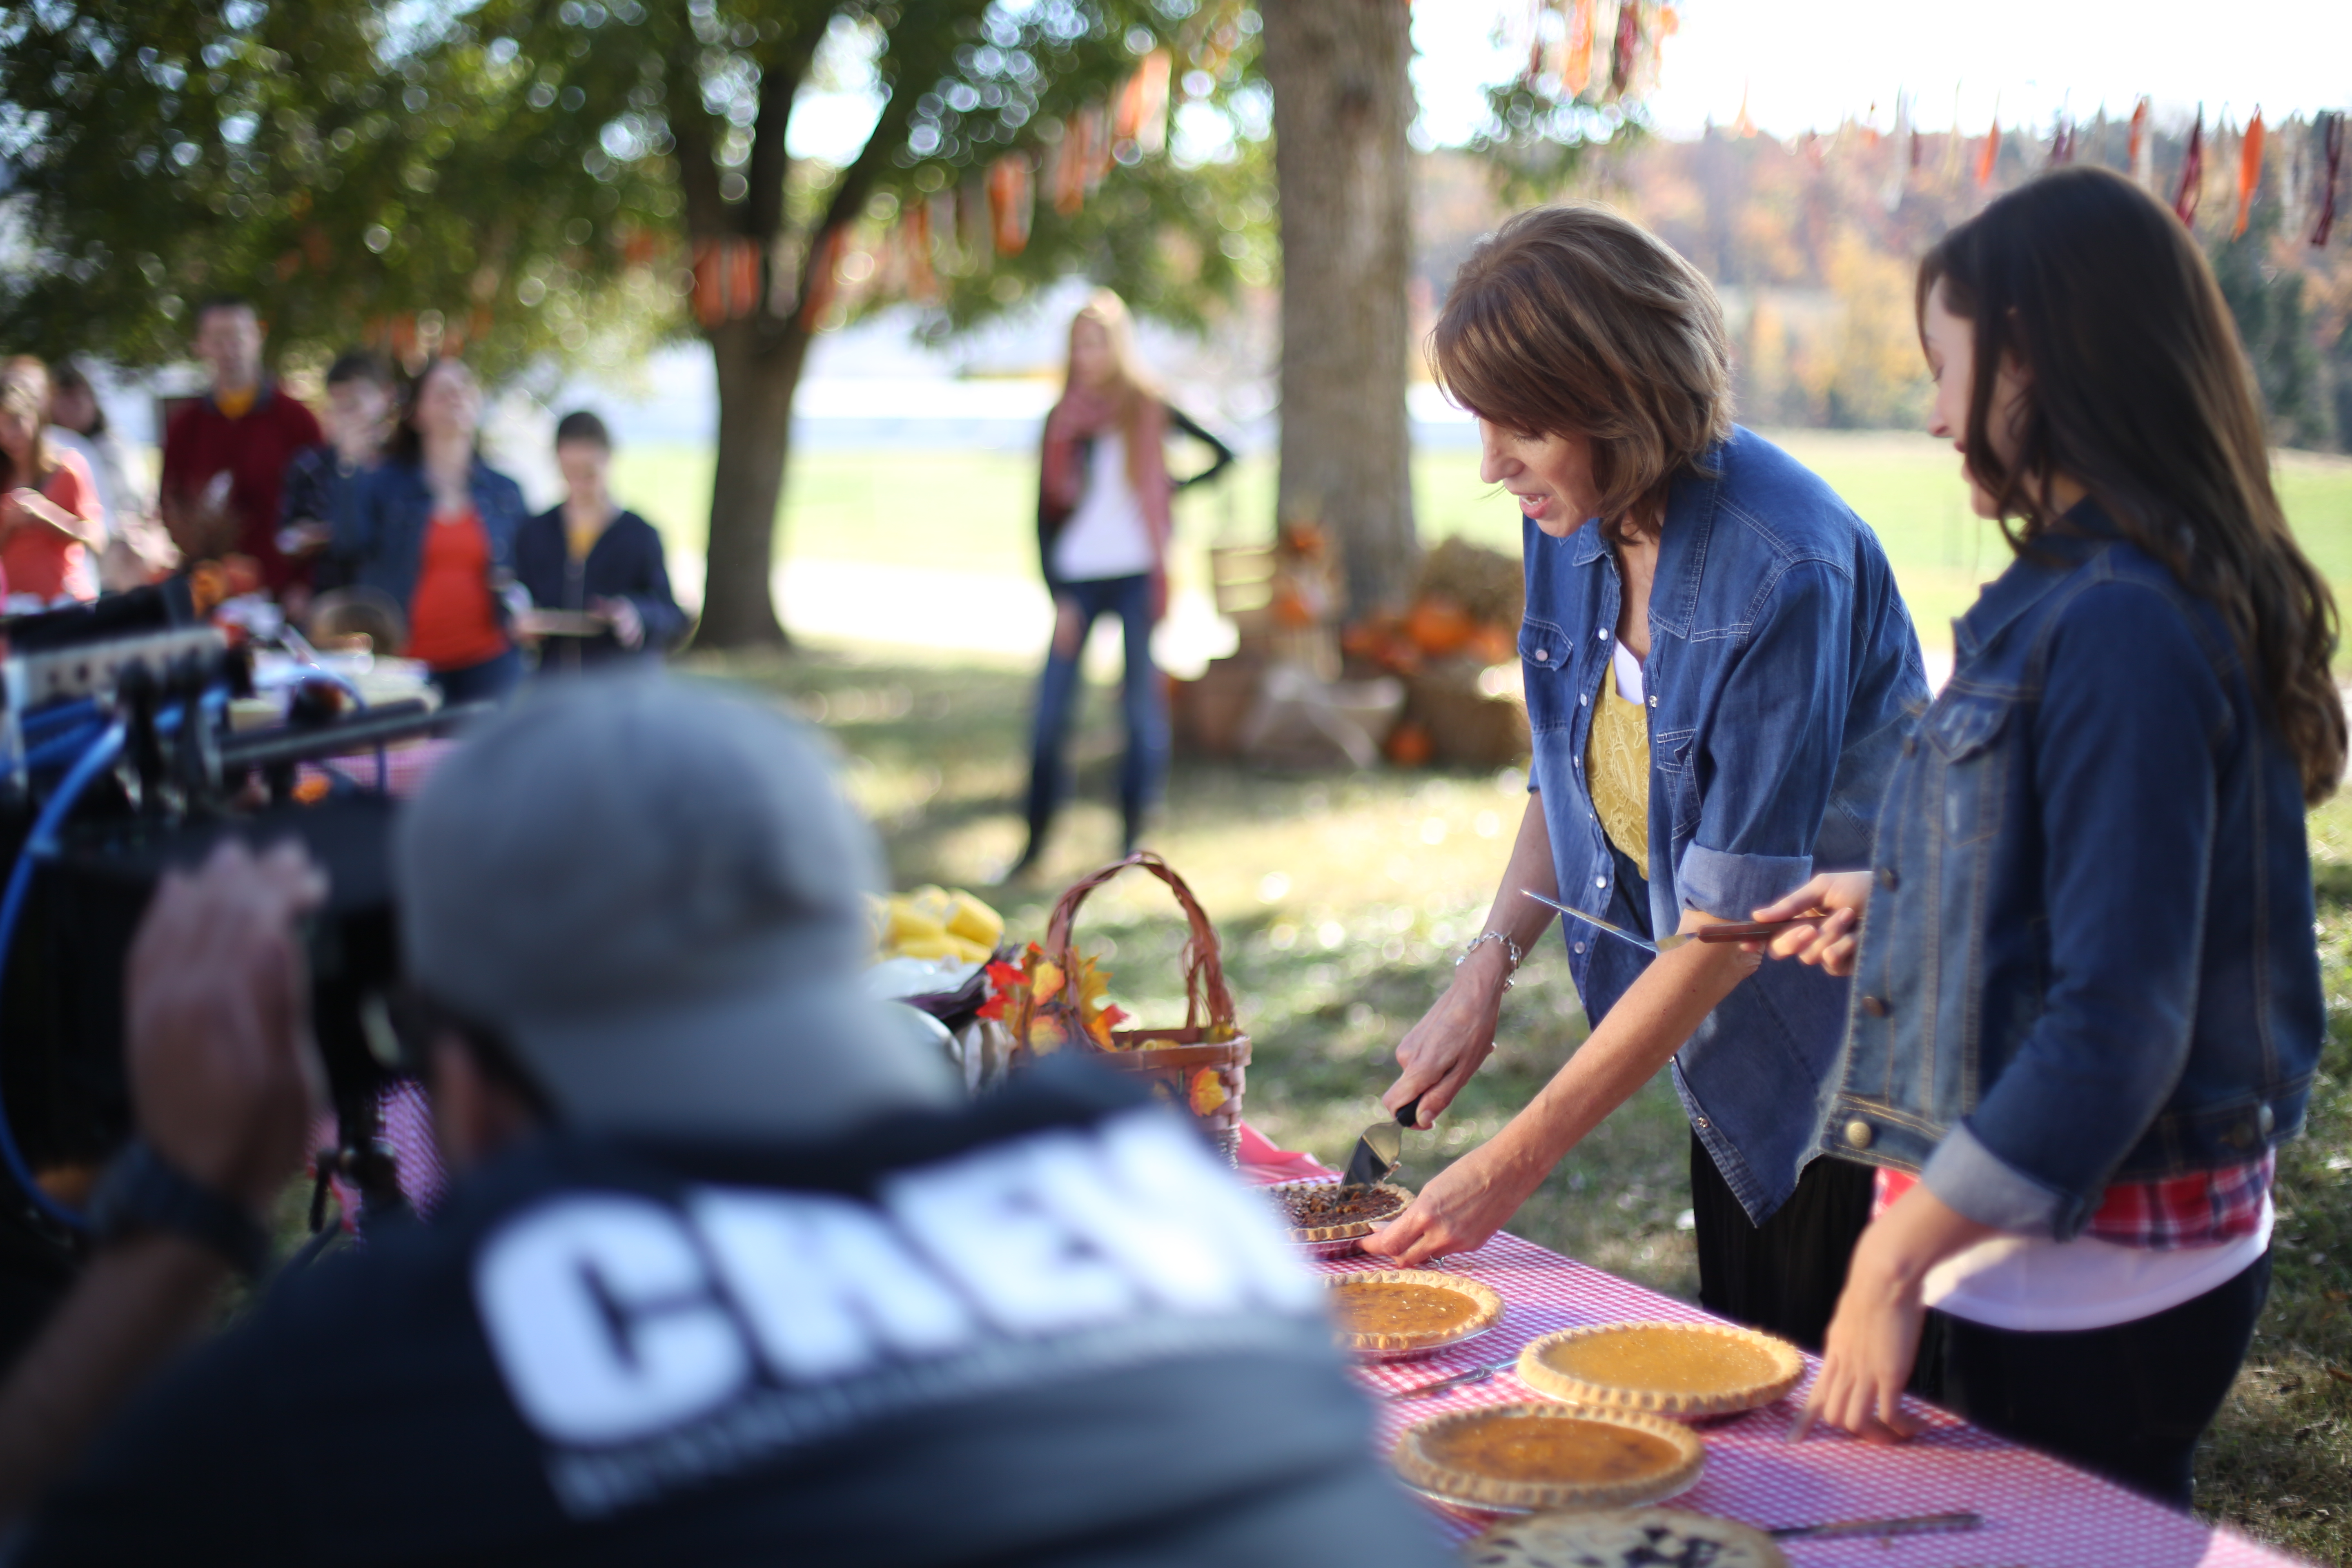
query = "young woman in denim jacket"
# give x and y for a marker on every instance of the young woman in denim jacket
(1719, 672)
(2087, 997)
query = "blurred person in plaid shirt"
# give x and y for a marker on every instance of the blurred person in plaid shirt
(2089, 989)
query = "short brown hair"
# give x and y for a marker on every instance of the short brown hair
(1571, 320)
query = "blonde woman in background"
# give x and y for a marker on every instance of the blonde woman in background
(1103, 526)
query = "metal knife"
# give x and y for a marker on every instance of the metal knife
(1919, 1524)
(1739, 931)
(1475, 1374)
(1381, 1148)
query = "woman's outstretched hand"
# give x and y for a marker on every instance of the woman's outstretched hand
(1460, 1209)
(1830, 944)
(1452, 1039)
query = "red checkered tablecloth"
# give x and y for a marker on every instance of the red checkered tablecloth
(406, 765)
(2037, 1511)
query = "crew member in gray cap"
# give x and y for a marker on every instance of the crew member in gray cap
(728, 1274)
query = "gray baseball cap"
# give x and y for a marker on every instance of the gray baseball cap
(652, 891)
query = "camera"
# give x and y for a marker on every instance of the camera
(118, 761)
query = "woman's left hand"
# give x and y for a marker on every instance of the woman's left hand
(629, 626)
(1867, 1356)
(1459, 1210)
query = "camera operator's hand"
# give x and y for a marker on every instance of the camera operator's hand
(224, 1071)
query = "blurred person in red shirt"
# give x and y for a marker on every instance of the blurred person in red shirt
(138, 550)
(432, 528)
(51, 523)
(224, 455)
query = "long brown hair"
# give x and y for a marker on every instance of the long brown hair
(2138, 388)
(1573, 321)
(25, 389)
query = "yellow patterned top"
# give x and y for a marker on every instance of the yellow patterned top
(1617, 764)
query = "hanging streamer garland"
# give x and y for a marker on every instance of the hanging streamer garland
(2250, 170)
(1991, 152)
(2142, 151)
(2192, 170)
(1629, 44)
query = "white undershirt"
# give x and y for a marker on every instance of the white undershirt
(1107, 535)
(1628, 670)
(2035, 1284)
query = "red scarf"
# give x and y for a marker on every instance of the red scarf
(1079, 419)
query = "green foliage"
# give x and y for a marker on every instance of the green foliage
(528, 179)
(2275, 325)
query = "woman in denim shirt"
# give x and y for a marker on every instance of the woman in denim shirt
(2088, 999)
(1719, 672)
(433, 530)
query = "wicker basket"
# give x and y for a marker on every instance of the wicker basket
(1180, 1063)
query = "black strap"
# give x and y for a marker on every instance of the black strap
(141, 1190)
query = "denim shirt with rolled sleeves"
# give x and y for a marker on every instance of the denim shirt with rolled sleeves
(2089, 955)
(1782, 675)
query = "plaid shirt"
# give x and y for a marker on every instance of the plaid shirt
(2203, 1208)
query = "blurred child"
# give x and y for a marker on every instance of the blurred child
(591, 556)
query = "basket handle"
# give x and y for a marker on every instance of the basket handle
(1204, 970)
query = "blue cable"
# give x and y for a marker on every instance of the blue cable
(41, 845)
(58, 714)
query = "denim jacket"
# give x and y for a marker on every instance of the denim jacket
(380, 519)
(2089, 956)
(1781, 673)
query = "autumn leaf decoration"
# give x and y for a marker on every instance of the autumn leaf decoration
(1042, 1007)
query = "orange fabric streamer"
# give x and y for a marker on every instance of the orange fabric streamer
(1576, 53)
(2193, 171)
(2250, 170)
(1011, 203)
(2143, 153)
(915, 232)
(1142, 116)
(742, 278)
(824, 259)
(1991, 152)
(709, 303)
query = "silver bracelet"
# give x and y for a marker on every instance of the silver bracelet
(1509, 947)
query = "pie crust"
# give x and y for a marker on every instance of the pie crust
(1336, 1230)
(1671, 1369)
(1392, 1311)
(1549, 1455)
(1624, 1538)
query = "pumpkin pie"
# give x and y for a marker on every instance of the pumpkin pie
(1549, 1455)
(1626, 1538)
(1396, 1312)
(1319, 1212)
(1673, 1368)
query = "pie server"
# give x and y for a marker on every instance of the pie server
(1381, 1148)
(1745, 931)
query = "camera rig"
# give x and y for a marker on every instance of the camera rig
(118, 761)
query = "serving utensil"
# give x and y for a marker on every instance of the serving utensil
(1878, 1529)
(1475, 1374)
(1730, 931)
(1381, 1148)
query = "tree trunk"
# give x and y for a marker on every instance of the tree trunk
(758, 368)
(1342, 102)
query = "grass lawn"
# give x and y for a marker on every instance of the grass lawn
(1341, 900)
(973, 511)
